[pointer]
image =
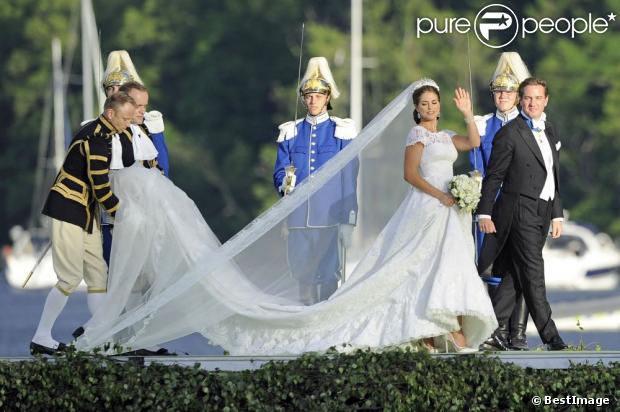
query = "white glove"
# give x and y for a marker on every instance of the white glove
(154, 121)
(345, 233)
(291, 187)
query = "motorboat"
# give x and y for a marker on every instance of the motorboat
(581, 259)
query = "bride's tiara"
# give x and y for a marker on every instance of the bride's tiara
(425, 81)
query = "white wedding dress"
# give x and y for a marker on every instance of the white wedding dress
(415, 280)
(170, 277)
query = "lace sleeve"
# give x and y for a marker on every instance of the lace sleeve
(417, 134)
(450, 133)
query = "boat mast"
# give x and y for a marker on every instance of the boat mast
(356, 63)
(59, 104)
(92, 67)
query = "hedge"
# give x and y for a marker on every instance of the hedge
(395, 380)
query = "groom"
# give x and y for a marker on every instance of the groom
(525, 164)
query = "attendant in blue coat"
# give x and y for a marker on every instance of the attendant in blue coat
(119, 71)
(504, 85)
(320, 230)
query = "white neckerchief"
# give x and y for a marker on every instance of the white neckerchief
(143, 147)
(116, 162)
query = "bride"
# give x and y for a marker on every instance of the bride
(410, 279)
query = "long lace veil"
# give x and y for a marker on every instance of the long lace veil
(170, 277)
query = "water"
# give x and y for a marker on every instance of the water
(20, 311)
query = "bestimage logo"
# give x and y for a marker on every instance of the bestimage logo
(496, 25)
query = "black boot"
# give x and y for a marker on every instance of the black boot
(518, 326)
(498, 340)
(326, 289)
(37, 349)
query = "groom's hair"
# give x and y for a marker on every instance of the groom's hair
(533, 81)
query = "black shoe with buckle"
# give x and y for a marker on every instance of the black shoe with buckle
(488, 345)
(37, 349)
(556, 343)
(148, 352)
(498, 340)
(165, 352)
(78, 332)
(495, 343)
(501, 343)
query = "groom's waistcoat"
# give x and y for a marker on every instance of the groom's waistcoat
(517, 165)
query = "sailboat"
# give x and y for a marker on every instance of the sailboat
(31, 245)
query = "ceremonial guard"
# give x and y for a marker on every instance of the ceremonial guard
(81, 185)
(320, 230)
(509, 73)
(119, 71)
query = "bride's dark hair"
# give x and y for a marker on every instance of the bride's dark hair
(416, 99)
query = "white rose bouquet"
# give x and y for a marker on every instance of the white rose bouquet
(466, 191)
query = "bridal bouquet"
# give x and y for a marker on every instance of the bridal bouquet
(466, 191)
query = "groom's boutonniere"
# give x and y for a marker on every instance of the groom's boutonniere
(558, 145)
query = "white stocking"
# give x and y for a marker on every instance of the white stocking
(54, 305)
(94, 301)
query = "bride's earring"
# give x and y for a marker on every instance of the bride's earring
(416, 116)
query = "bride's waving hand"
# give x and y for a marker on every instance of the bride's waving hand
(463, 104)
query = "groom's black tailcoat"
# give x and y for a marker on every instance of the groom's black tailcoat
(521, 219)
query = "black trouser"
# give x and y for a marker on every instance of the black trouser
(526, 267)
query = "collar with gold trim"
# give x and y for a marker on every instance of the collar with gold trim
(105, 122)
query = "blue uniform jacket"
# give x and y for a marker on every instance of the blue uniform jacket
(162, 152)
(317, 140)
(488, 126)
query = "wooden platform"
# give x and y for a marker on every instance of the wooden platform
(531, 359)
